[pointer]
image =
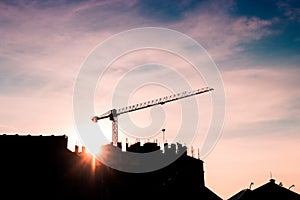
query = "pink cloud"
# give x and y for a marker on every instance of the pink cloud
(222, 34)
(260, 95)
(292, 13)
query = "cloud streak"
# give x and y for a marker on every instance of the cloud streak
(262, 101)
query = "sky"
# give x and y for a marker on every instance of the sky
(255, 46)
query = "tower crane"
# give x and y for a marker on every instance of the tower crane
(114, 113)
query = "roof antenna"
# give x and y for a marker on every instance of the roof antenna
(251, 185)
(163, 131)
(291, 186)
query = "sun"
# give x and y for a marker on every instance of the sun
(93, 142)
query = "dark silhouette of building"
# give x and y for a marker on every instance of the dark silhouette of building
(42, 167)
(270, 190)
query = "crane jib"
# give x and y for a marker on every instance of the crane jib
(112, 114)
(162, 100)
(158, 101)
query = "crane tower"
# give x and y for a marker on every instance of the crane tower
(114, 113)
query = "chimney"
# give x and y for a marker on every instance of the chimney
(76, 148)
(83, 149)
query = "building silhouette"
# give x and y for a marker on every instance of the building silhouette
(270, 190)
(42, 167)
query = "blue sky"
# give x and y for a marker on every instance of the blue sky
(254, 44)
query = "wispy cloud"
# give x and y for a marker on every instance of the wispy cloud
(291, 9)
(262, 101)
(222, 34)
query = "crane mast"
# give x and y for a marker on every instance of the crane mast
(114, 113)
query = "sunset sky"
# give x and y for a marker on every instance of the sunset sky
(254, 44)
